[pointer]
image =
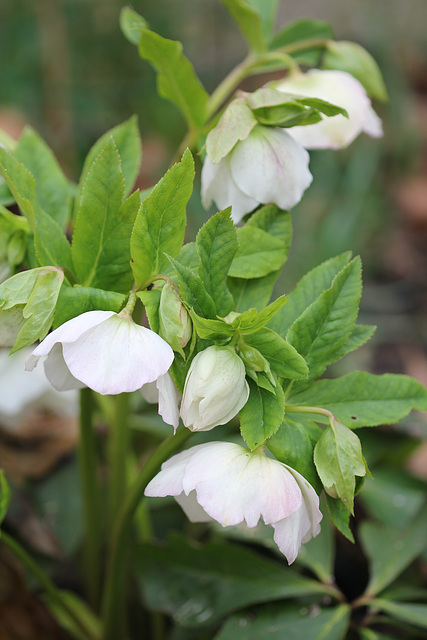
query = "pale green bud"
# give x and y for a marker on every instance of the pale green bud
(174, 321)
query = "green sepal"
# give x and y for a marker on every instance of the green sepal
(262, 414)
(235, 124)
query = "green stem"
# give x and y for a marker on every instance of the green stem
(118, 455)
(88, 467)
(292, 408)
(119, 543)
(230, 84)
(45, 582)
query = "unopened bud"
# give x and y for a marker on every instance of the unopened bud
(175, 323)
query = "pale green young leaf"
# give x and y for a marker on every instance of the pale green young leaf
(259, 253)
(131, 24)
(160, 224)
(284, 360)
(235, 124)
(53, 191)
(128, 142)
(193, 291)
(304, 30)
(216, 245)
(361, 399)
(307, 291)
(250, 320)
(176, 80)
(338, 459)
(249, 21)
(354, 59)
(210, 329)
(328, 322)
(4, 496)
(262, 414)
(103, 226)
(340, 516)
(74, 301)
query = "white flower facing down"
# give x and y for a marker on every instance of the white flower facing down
(225, 482)
(165, 392)
(268, 167)
(104, 351)
(215, 389)
(339, 88)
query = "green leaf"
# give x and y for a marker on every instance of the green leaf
(415, 614)
(52, 187)
(307, 291)
(291, 622)
(216, 245)
(340, 516)
(250, 321)
(358, 337)
(160, 225)
(128, 142)
(267, 9)
(328, 322)
(151, 301)
(198, 585)
(391, 551)
(4, 496)
(100, 248)
(262, 414)
(300, 31)
(32, 296)
(193, 291)
(249, 22)
(235, 124)
(51, 244)
(354, 59)
(338, 459)
(259, 254)
(293, 445)
(282, 357)
(176, 80)
(74, 301)
(361, 399)
(21, 183)
(131, 24)
(249, 294)
(210, 329)
(274, 221)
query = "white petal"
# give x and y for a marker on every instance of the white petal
(218, 186)
(118, 356)
(169, 399)
(168, 482)
(191, 508)
(150, 392)
(57, 371)
(271, 167)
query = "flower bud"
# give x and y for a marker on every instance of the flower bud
(175, 323)
(215, 389)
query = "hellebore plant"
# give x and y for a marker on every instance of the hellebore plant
(120, 303)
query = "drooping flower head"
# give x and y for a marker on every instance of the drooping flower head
(104, 351)
(225, 482)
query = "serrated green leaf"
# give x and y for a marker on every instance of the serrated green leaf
(151, 301)
(259, 254)
(21, 183)
(100, 248)
(210, 329)
(361, 399)
(52, 187)
(390, 550)
(225, 578)
(4, 496)
(249, 22)
(216, 245)
(354, 59)
(235, 124)
(284, 360)
(193, 291)
(255, 293)
(131, 24)
(338, 459)
(340, 516)
(262, 414)
(250, 321)
(304, 30)
(307, 291)
(51, 244)
(358, 337)
(414, 613)
(74, 301)
(160, 225)
(176, 80)
(328, 322)
(275, 221)
(293, 445)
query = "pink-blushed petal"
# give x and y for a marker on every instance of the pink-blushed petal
(57, 371)
(271, 167)
(218, 186)
(191, 508)
(168, 482)
(118, 356)
(169, 399)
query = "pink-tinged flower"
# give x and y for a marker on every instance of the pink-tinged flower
(165, 392)
(225, 482)
(104, 351)
(339, 88)
(215, 389)
(269, 166)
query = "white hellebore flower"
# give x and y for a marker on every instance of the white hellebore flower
(339, 88)
(104, 351)
(215, 389)
(225, 482)
(165, 392)
(269, 166)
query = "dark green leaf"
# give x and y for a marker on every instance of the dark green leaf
(304, 30)
(193, 291)
(340, 516)
(249, 22)
(262, 414)
(73, 301)
(358, 337)
(415, 614)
